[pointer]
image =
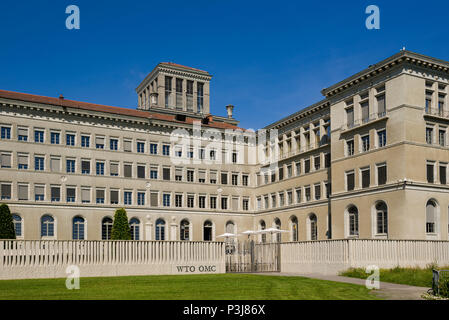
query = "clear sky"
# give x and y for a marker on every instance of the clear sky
(268, 58)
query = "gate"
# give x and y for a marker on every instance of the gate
(249, 256)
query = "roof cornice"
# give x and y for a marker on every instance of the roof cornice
(385, 65)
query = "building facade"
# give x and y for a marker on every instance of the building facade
(369, 161)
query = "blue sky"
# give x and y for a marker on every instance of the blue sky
(268, 58)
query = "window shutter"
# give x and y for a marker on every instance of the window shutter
(22, 132)
(381, 104)
(365, 178)
(71, 192)
(99, 140)
(307, 165)
(22, 159)
(178, 172)
(6, 190)
(350, 115)
(55, 192)
(85, 165)
(202, 174)
(365, 110)
(55, 164)
(443, 174)
(430, 214)
(350, 181)
(224, 178)
(128, 170)
(6, 160)
(85, 195)
(23, 192)
(114, 196)
(39, 190)
(382, 175)
(166, 173)
(430, 173)
(114, 168)
(235, 203)
(141, 172)
(127, 146)
(213, 175)
(281, 173)
(154, 199)
(100, 194)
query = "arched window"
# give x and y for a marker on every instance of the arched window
(106, 228)
(431, 217)
(382, 218)
(313, 225)
(277, 224)
(78, 228)
(294, 226)
(160, 229)
(207, 231)
(185, 230)
(17, 224)
(47, 226)
(230, 227)
(263, 226)
(134, 225)
(353, 216)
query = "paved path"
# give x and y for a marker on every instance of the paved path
(388, 291)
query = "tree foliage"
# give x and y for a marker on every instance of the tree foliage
(120, 227)
(6, 223)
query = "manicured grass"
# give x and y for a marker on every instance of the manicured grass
(191, 287)
(410, 276)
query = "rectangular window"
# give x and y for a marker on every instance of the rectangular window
(127, 170)
(327, 160)
(38, 136)
(365, 177)
(178, 200)
(141, 172)
(22, 134)
(168, 92)
(307, 166)
(22, 161)
(213, 177)
(202, 202)
(224, 178)
(71, 194)
(166, 173)
(114, 168)
(70, 166)
(307, 193)
(190, 175)
(113, 144)
(140, 147)
(235, 179)
(99, 195)
(298, 168)
(140, 198)
(443, 171)
(6, 133)
(70, 139)
(179, 85)
(85, 141)
(213, 202)
(39, 193)
(189, 97)
(166, 200)
(245, 180)
(245, 204)
(234, 157)
(350, 117)
(350, 148)
(190, 201)
(350, 181)
(382, 138)
(381, 109)
(154, 199)
(178, 174)
(5, 159)
(381, 174)
(54, 137)
(281, 174)
(429, 135)
(153, 148)
(99, 166)
(153, 173)
(5, 191)
(202, 176)
(127, 197)
(114, 196)
(430, 172)
(224, 203)
(127, 145)
(99, 142)
(166, 150)
(200, 98)
(317, 191)
(85, 195)
(85, 167)
(39, 163)
(442, 137)
(365, 143)
(365, 112)
(429, 101)
(298, 195)
(317, 162)
(55, 194)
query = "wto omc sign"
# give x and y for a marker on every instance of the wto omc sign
(197, 269)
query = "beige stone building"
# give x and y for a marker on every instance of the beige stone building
(369, 161)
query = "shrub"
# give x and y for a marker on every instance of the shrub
(6, 223)
(443, 287)
(120, 227)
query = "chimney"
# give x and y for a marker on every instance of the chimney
(61, 97)
(229, 109)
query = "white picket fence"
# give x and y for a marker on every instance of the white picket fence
(50, 259)
(333, 256)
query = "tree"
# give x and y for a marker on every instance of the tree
(120, 227)
(6, 223)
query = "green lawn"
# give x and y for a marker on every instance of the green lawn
(191, 287)
(411, 276)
